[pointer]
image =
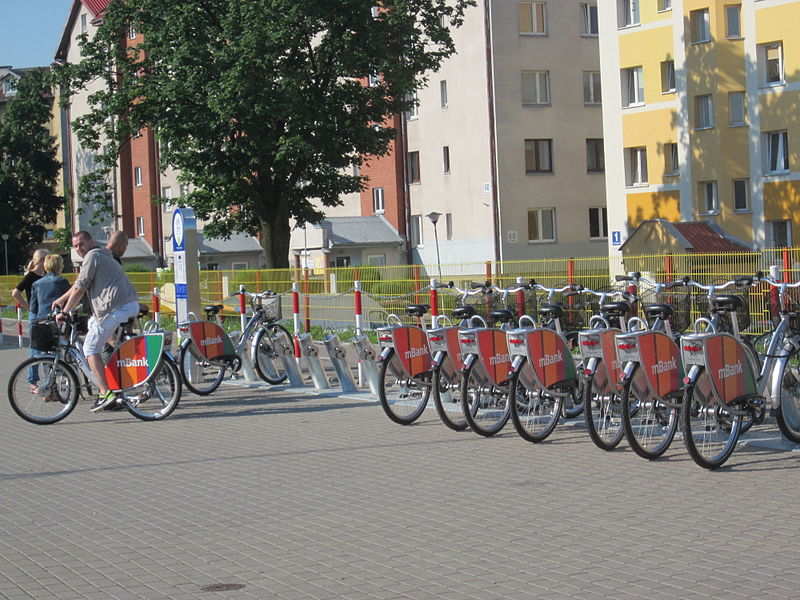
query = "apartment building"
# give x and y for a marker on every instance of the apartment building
(700, 103)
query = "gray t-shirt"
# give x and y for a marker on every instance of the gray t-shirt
(105, 282)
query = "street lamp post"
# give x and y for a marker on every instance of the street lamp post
(434, 218)
(5, 251)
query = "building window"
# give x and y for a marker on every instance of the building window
(140, 226)
(413, 167)
(701, 26)
(776, 155)
(741, 195)
(132, 32)
(166, 192)
(671, 162)
(137, 176)
(376, 260)
(378, 205)
(416, 231)
(589, 19)
(443, 93)
(535, 87)
(541, 225)
(532, 18)
(375, 11)
(239, 266)
(448, 222)
(733, 21)
(636, 166)
(664, 5)
(598, 223)
(707, 193)
(591, 87)
(594, 155)
(770, 63)
(84, 23)
(703, 112)
(445, 159)
(413, 111)
(632, 87)
(780, 234)
(184, 189)
(668, 77)
(373, 80)
(736, 108)
(628, 12)
(342, 261)
(538, 156)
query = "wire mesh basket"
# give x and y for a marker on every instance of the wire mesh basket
(272, 307)
(742, 315)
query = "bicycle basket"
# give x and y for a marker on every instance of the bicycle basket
(44, 336)
(272, 307)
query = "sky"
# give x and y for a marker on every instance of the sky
(31, 30)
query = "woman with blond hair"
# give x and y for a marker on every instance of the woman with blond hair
(33, 273)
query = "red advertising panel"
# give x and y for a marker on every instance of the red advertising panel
(730, 370)
(610, 362)
(550, 358)
(209, 339)
(411, 347)
(493, 351)
(454, 348)
(134, 361)
(660, 359)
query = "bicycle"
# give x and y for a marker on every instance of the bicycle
(207, 351)
(141, 370)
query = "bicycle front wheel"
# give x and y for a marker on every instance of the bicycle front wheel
(201, 377)
(534, 411)
(788, 416)
(650, 423)
(486, 406)
(447, 395)
(710, 429)
(573, 405)
(273, 345)
(156, 399)
(403, 398)
(51, 398)
(603, 410)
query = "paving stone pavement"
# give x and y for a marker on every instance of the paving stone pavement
(274, 493)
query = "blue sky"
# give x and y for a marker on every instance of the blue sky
(31, 31)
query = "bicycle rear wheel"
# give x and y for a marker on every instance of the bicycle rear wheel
(534, 411)
(54, 397)
(603, 410)
(156, 399)
(447, 395)
(649, 423)
(572, 405)
(273, 344)
(200, 377)
(788, 416)
(403, 398)
(710, 429)
(486, 405)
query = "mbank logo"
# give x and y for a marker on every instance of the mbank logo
(132, 362)
(499, 359)
(663, 366)
(730, 370)
(415, 352)
(209, 341)
(551, 359)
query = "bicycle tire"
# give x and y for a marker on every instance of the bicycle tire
(55, 398)
(572, 406)
(272, 342)
(402, 398)
(447, 395)
(486, 413)
(534, 412)
(200, 377)
(788, 414)
(603, 410)
(649, 423)
(710, 430)
(159, 397)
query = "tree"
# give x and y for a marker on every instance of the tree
(28, 167)
(262, 105)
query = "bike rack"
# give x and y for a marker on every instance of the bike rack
(367, 365)
(339, 359)
(309, 352)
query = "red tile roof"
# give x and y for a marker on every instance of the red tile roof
(96, 6)
(703, 238)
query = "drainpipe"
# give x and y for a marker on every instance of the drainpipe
(487, 28)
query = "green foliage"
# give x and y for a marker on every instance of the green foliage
(28, 168)
(259, 104)
(136, 268)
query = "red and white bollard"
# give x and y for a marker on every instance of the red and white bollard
(19, 325)
(434, 304)
(296, 318)
(156, 307)
(242, 308)
(520, 298)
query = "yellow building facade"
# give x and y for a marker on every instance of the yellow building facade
(700, 116)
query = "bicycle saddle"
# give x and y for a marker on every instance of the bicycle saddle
(417, 310)
(504, 316)
(463, 312)
(662, 311)
(725, 302)
(616, 309)
(213, 309)
(551, 311)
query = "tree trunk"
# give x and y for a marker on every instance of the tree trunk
(275, 240)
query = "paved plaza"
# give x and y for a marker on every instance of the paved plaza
(274, 493)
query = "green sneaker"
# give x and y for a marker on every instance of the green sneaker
(104, 400)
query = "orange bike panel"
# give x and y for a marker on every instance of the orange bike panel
(660, 360)
(454, 348)
(550, 358)
(134, 361)
(610, 361)
(209, 340)
(493, 352)
(729, 367)
(411, 348)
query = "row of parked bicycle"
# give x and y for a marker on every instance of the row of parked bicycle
(141, 368)
(629, 373)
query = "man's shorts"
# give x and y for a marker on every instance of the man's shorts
(100, 331)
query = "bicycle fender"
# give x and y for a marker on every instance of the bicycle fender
(692, 375)
(438, 359)
(385, 353)
(468, 362)
(627, 372)
(777, 394)
(516, 364)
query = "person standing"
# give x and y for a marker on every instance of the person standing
(33, 273)
(118, 244)
(114, 301)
